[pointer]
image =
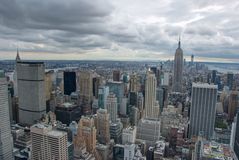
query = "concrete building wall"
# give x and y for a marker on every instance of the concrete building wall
(31, 91)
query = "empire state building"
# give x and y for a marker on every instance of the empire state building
(178, 69)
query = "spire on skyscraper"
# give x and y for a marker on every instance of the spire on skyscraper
(179, 42)
(18, 56)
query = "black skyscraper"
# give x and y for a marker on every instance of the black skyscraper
(230, 80)
(69, 82)
(214, 74)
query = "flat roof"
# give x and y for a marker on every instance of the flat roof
(204, 85)
(55, 133)
(30, 62)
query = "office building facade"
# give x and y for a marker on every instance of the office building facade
(31, 91)
(151, 110)
(112, 108)
(203, 110)
(69, 82)
(48, 143)
(6, 143)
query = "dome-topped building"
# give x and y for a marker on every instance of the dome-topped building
(178, 69)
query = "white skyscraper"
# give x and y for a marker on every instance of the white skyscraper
(111, 104)
(148, 128)
(31, 91)
(203, 109)
(48, 143)
(6, 143)
(151, 107)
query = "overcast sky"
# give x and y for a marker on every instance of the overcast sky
(119, 29)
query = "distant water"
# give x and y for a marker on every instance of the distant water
(224, 67)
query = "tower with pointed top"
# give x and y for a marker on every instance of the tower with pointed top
(178, 69)
(18, 59)
(18, 56)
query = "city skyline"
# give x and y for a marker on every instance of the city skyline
(119, 80)
(112, 30)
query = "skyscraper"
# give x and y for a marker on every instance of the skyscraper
(214, 76)
(31, 91)
(86, 135)
(230, 80)
(203, 109)
(48, 84)
(236, 141)
(86, 86)
(118, 89)
(103, 93)
(85, 81)
(96, 85)
(103, 126)
(6, 143)
(48, 143)
(151, 110)
(192, 59)
(18, 59)
(69, 82)
(134, 84)
(112, 108)
(233, 104)
(116, 75)
(178, 69)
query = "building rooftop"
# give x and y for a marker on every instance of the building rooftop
(216, 150)
(41, 126)
(30, 62)
(204, 85)
(55, 133)
(67, 105)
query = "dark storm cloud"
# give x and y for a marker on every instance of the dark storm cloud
(54, 14)
(208, 28)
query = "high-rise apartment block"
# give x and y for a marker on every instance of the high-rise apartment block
(134, 83)
(86, 135)
(148, 130)
(203, 110)
(48, 143)
(103, 126)
(129, 135)
(31, 91)
(112, 108)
